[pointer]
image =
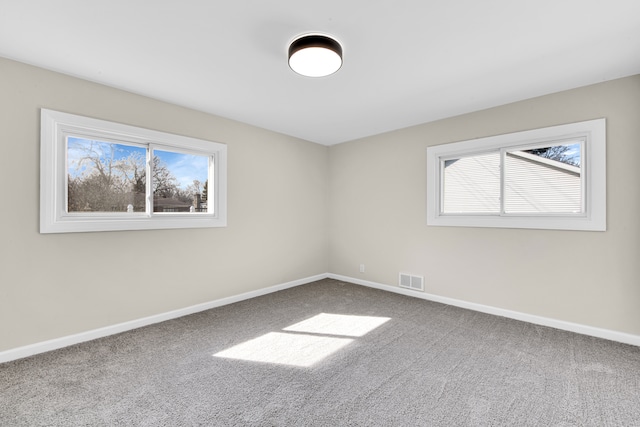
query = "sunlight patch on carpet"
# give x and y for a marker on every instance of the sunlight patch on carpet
(285, 349)
(305, 343)
(338, 324)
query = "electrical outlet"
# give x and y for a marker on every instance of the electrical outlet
(361, 268)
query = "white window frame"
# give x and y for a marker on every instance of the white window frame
(593, 167)
(56, 126)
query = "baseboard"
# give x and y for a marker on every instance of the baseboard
(538, 320)
(54, 344)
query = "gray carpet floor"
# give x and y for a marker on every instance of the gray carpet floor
(329, 354)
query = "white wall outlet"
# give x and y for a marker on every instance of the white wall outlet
(361, 268)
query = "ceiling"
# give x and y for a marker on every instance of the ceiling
(405, 61)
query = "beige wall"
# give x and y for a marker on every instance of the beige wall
(59, 284)
(378, 217)
(298, 209)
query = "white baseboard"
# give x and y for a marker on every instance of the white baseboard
(538, 320)
(42, 347)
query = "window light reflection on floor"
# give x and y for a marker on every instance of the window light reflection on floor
(286, 349)
(305, 343)
(338, 324)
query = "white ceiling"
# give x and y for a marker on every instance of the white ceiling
(405, 61)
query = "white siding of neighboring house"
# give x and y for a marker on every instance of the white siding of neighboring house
(532, 185)
(472, 184)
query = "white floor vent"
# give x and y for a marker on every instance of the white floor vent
(412, 282)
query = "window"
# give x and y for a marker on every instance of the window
(552, 178)
(102, 176)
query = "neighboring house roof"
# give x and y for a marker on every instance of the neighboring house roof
(169, 202)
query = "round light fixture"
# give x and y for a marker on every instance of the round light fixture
(315, 55)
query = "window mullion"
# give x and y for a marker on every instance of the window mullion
(149, 181)
(503, 152)
(584, 177)
(212, 189)
(441, 186)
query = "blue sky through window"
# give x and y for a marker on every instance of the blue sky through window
(80, 148)
(573, 154)
(185, 167)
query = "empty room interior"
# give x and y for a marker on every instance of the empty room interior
(439, 230)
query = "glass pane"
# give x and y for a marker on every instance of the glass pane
(544, 180)
(180, 182)
(105, 177)
(472, 184)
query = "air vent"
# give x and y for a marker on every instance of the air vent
(411, 282)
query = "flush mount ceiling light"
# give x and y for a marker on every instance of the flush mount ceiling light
(315, 55)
